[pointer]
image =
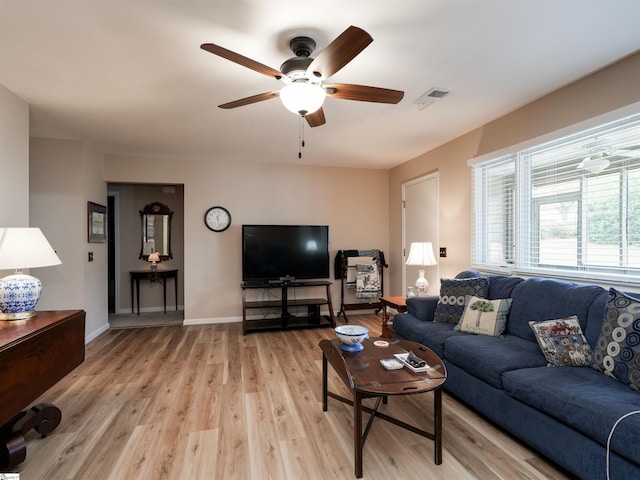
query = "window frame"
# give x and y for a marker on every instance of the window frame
(524, 206)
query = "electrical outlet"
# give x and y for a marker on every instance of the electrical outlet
(443, 251)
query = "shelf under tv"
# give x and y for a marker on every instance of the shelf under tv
(281, 318)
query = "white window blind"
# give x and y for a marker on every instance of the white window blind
(567, 208)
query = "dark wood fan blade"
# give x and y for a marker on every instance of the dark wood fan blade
(340, 52)
(241, 60)
(249, 100)
(316, 118)
(362, 93)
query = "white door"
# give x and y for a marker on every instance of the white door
(420, 224)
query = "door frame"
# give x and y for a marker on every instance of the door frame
(113, 200)
(436, 216)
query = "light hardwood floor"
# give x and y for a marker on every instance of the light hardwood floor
(206, 402)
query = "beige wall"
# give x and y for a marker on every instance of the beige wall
(611, 89)
(353, 202)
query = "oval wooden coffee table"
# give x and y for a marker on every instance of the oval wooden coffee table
(363, 374)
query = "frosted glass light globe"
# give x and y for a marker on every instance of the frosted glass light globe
(302, 98)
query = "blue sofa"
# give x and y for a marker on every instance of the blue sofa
(565, 413)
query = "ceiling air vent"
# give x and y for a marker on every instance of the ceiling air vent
(430, 97)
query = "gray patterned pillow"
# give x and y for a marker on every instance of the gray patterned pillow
(617, 352)
(453, 293)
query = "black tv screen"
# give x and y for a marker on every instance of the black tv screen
(285, 252)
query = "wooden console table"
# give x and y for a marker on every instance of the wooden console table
(153, 276)
(35, 354)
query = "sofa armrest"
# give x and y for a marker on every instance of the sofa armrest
(423, 308)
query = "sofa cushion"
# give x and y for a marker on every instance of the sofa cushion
(428, 333)
(423, 308)
(537, 299)
(501, 286)
(487, 358)
(453, 293)
(583, 399)
(484, 317)
(617, 352)
(562, 342)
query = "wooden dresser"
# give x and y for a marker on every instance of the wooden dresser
(35, 354)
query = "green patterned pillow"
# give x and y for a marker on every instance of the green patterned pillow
(484, 317)
(563, 342)
(453, 294)
(617, 352)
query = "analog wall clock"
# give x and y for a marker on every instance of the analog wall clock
(217, 219)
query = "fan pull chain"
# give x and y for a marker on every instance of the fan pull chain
(300, 136)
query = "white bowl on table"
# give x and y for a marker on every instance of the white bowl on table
(352, 337)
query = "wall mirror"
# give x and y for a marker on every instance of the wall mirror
(156, 231)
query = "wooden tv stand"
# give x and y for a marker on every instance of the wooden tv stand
(35, 354)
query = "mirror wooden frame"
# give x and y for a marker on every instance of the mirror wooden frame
(155, 208)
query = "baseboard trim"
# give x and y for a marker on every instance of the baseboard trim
(96, 333)
(208, 321)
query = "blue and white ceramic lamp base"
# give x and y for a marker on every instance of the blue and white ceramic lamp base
(19, 294)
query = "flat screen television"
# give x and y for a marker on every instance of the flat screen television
(284, 252)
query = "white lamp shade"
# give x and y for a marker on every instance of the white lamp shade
(302, 98)
(421, 254)
(154, 257)
(25, 247)
(20, 248)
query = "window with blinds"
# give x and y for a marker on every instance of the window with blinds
(570, 207)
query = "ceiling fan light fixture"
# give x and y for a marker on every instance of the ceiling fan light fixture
(594, 164)
(302, 98)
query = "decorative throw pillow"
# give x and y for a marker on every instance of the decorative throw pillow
(484, 317)
(452, 296)
(617, 352)
(563, 342)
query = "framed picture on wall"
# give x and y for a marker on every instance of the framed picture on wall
(97, 225)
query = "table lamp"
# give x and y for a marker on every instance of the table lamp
(154, 258)
(421, 254)
(22, 247)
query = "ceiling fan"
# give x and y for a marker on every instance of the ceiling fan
(304, 91)
(596, 163)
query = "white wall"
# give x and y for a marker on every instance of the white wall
(14, 160)
(49, 192)
(65, 174)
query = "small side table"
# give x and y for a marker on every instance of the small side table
(153, 276)
(400, 304)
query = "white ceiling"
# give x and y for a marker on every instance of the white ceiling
(128, 76)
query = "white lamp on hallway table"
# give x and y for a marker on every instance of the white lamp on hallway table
(22, 247)
(154, 258)
(421, 254)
